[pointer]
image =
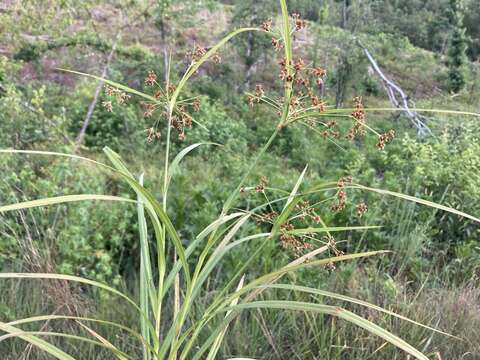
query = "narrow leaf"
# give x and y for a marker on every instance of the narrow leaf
(114, 84)
(338, 312)
(34, 340)
(218, 341)
(416, 200)
(176, 161)
(61, 200)
(350, 300)
(296, 187)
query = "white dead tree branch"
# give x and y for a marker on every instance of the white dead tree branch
(398, 98)
(91, 107)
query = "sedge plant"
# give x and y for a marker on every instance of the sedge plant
(169, 289)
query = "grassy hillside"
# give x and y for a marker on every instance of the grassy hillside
(431, 275)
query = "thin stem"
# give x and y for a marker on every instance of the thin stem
(233, 196)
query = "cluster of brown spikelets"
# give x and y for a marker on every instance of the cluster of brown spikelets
(113, 92)
(306, 83)
(305, 215)
(180, 119)
(305, 103)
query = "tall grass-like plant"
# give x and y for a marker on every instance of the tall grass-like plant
(169, 289)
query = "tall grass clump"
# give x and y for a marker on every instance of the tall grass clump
(174, 271)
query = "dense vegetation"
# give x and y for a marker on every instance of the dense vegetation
(429, 48)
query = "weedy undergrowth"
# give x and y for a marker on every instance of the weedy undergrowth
(169, 289)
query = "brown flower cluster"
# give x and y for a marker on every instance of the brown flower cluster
(261, 185)
(277, 44)
(152, 134)
(358, 116)
(297, 75)
(300, 77)
(305, 209)
(284, 75)
(331, 130)
(319, 74)
(362, 208)
(268, 217)
(297, 244)
(198, 52)
(259, 94)
(148, 108)
(119, 95)
(383, 139)
(332, 244)
(107, 105)
(305, 213)
(341, 196)
(267, 25)
(196, 104)
(216, 58)
(180, 119)
(299, 23)
(151, 78)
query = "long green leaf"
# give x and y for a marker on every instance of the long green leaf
(283, 217)
(194, 244)
(311, 230)
(215, 257)
(153, 206)
(334, 311)
(120, 354)
(50, 276)
(196, 65)
(146, 279)
(350, 300)
(34, 340)
(61, 200)
(295, 266)
(114, 84)
(79, 318)
(199, 277)
(218, 341)
(52, 153)
(176, 161)
(222, 301)
(416, 200)
(435, 111)
(24, 334)
(295, 188)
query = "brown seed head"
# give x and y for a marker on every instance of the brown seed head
(259, 92)
(151, 78)
(196, 104)
(277, 44)
(267, 24)
(107, 105)
(362, 208)
(216, 58)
